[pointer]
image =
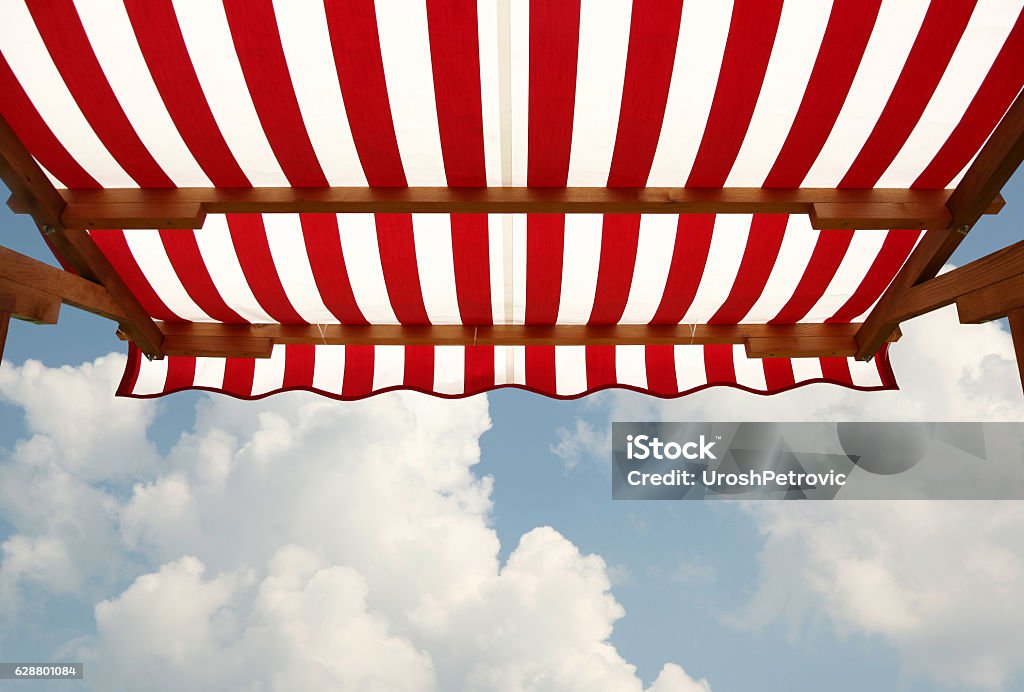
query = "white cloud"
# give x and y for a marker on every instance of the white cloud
(297, 543)
(939, 581)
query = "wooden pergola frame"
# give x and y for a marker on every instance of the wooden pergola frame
(986, 289)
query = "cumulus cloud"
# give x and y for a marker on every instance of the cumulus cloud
(296, 543)
(941, 582)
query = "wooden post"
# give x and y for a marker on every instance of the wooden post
(1016, 318)
(5, 323)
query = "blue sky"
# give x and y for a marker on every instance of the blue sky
(704, 585)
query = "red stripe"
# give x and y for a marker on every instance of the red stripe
(183, 252)
(828, 253)
(299, 364)
(471, 251)
(327, 260)
(181, 373)
(689, 256)
(545, 244)
(401, 275)
(1002, 84)
(249, 238)
(358, 377)
(653, 35)
(600, 366)
(554, 44)
(455, 60)
(749, 46)
(763, 243)
(661, 369)
(943, 25)
(540, 368)
(163, 48)
(115, 248)
(419, 367)
(65, 39)
(479, 369)
(836, 370)
(895, 250)
(778, 373)
(131, 371)
(718, 363)
(842, 48)
(353, 28)
(238, 375)
(619, 238)
(19, 112)
(258, 45)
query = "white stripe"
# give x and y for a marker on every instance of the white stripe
(405, 50)
(221, 260)
(329, 368)
(388, 367)
(150, 255)
(859, 256)
(891, 40)
(980, 44)
(801, 29)
(518, 364)
(704, 28)
(518, 268)
(865, 373)
(520, 49)
(210, 373)
(30, 61)
(570, 370)
(581, 261)
(805, 369)
(600, 71)
(207, 35)
(362, 261)
(432, 236)
(500, 356)
(749, 371)
(496, 260)
(113, 41)
(728, 242)
(655, 244)
(307, 50)
(631, 366)
(791, 264)
(268, 373)
(288, 250)
(152, 377)
(449, 369)
(487, 39)
(690, 370)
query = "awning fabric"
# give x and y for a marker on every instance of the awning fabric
(700, 94)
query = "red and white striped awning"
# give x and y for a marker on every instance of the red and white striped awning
(468, 93)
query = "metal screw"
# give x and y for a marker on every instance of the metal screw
(48, 229)
(963, 229)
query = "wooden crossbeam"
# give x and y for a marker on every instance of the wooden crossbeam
(762, 340)
(25, 303)
(992, 302)
(827, 208)
(995, 163)
(61, 285)
(38, 197)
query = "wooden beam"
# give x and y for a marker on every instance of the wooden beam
(992, 302)
(67, 287)
(37, 195)
(946, 288)
(5, 324)
(1016, 318)
(27, 303)
(995, 163)
(204, 339)
(188, 207)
